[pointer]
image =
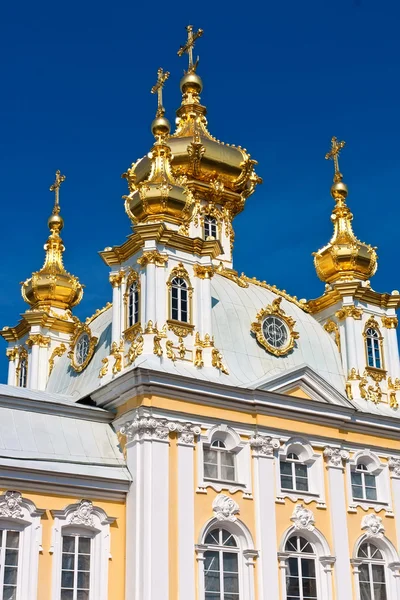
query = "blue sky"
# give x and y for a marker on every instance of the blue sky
(279, 79)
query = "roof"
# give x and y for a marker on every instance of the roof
(234, 308)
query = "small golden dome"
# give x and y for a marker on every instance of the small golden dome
(191, 82)
(345, 257)
(53, 285)
(160, 127)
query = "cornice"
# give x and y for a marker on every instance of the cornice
(159, 233)
(40, 318)
(357, 291)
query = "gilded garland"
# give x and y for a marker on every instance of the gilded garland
(82, 347)
(274, 329)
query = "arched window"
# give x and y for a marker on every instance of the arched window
(373, 348)
(219, 463)
(9, 561)
(363, 483)
(133, 304)
(210, 227)
(372, 579)
(23, 372)
(179, 300)
(221, 566)
(293, 474)
(301, 579)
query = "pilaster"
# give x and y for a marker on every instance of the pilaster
(264, 497)
(394, 467)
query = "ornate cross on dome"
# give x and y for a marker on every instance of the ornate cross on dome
(158, 89)
(188, 47)
(55, 187)
(333, 154)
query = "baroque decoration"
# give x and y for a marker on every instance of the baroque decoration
(225, 508)
(154, 428)
(263, 445)
(274, 329)
(11, 506)
(372, 525)
(83, 515)
(336, 457)
(82, 347)
(303, 518)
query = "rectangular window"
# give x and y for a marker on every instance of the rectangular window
(286, 475)
(75, 573)
(219, 464)
(9, 555)
(301, 478)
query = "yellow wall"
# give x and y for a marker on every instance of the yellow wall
(117, 540)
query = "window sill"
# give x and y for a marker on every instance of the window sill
(298, 492)
(180, 328)
(224, 482)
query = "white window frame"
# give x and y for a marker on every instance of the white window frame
(247, 555)
(239, 448)
(20, 514)
(180, 287)
(83, 519)
(382, 481)
(315, 473)
(210, 226)
(392, 564)
(133, 296)
(324, 560)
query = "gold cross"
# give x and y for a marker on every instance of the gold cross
(188, 47)
(158, 88)
(333, 154)
(55, 187)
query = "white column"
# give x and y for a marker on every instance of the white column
(206, 305)
(394, 363)
(337, 501)
(150, 293)
(147, 550)
(264, 498)
(11, 380)
(116, 310)
(43, 367)
(33, 366)
(351, 351)
(161, 300)
(122, 308)
(394, 466)
(186, 533)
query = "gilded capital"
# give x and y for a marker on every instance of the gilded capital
(116, 279)
(153, 257)
(38, 340)
(202, 271)
(12, 353)
(389, 322)
(349, 311)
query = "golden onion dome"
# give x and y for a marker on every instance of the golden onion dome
(345, 257)
(53, 285)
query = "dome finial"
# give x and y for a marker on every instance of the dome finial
(53, 285)
(344, 258)
(188, 48)
(333, 154)
(160, 126)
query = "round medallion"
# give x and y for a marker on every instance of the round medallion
(82, 349)
(275, 331)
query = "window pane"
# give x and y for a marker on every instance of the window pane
(300, 470)
(84, 545)
(309, 588)
(370, 493)
(369, 480)
(67, 595)
(9, 593)
(210, 471)
(212, 583)
(230, 563)
(286, 482)
(68, 543)
(357, 491)
(301, 485)
(364, 573)
(228, 539)
(356, 478)
(365, 591)
(227, 459)
(380, 591)
(83, 562)
(308, 567)
(378, 573)
(83, 579)
(67, 579)
(12, 539)
(293, 566)
(83, 595)
(68, 561)
(210, 456)
(228, 473)
(231, 584)
(293, 586)
(11, 559)
(10, 576)
(286, 468)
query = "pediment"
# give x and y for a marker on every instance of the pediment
(304, 382)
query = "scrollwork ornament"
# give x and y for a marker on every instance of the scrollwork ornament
(303, 518)
(336, 457)
(372, 525)
(159, 429)
(225, 508)
(274, 310)
(263, 445)
(10, 507)
(394, 466)
(83, 514)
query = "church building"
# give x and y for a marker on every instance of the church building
(205, 435)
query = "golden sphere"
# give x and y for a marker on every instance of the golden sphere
(160, 126)
(191, 80)
(339, 190)
(55, 222)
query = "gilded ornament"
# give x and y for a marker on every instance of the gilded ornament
(349, 311)
(275, 310)
(152, 257)
(363, 387)
(59, 351)
(116, 279)
(203, 271)
(158, 89)
(181, 349)
(331, 327)
(232, 275)
(216, 361)
(37, 339)
(354, 375)
(136, 349)
(198, 358)
(393, 387)
(374, 394)
(117, 354)
(104, 368)
(169, 348)
(96, 314)
(208, 341)
(187, 48)
(349, 392)
(151, 328)
(81, 329)
(157, 349)
(389, 322)
(180, 329)
(131, 333)
(53, 285)
(12, 353)
(272, 288)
